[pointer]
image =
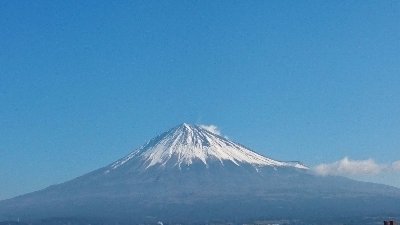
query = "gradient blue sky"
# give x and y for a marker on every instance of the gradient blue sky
(83, 83)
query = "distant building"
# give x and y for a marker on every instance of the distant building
(389, 222)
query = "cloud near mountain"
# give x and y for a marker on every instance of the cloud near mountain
(396, 165)
(212, 128)
(350, 167)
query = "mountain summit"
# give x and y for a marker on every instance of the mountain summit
(187, 144)
(189, 175)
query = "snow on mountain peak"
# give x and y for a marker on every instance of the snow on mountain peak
(185, 144)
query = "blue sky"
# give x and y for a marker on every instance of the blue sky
(84, 83)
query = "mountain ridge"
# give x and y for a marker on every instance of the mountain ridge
(188, 142)
(217, 180)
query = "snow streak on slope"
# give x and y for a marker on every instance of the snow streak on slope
(186, 143)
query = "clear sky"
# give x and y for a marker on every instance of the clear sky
(82, 83)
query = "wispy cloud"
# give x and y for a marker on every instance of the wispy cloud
(348, 166)
(212, 128)
(396, 166)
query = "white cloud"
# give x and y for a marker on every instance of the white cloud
(396, 166)
(364, 170)
(349, 167)
(212, 128)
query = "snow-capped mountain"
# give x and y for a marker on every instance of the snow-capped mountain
(186, 144)
(191, 175)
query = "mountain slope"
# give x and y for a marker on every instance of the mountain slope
(189, 174)
(186, 144)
